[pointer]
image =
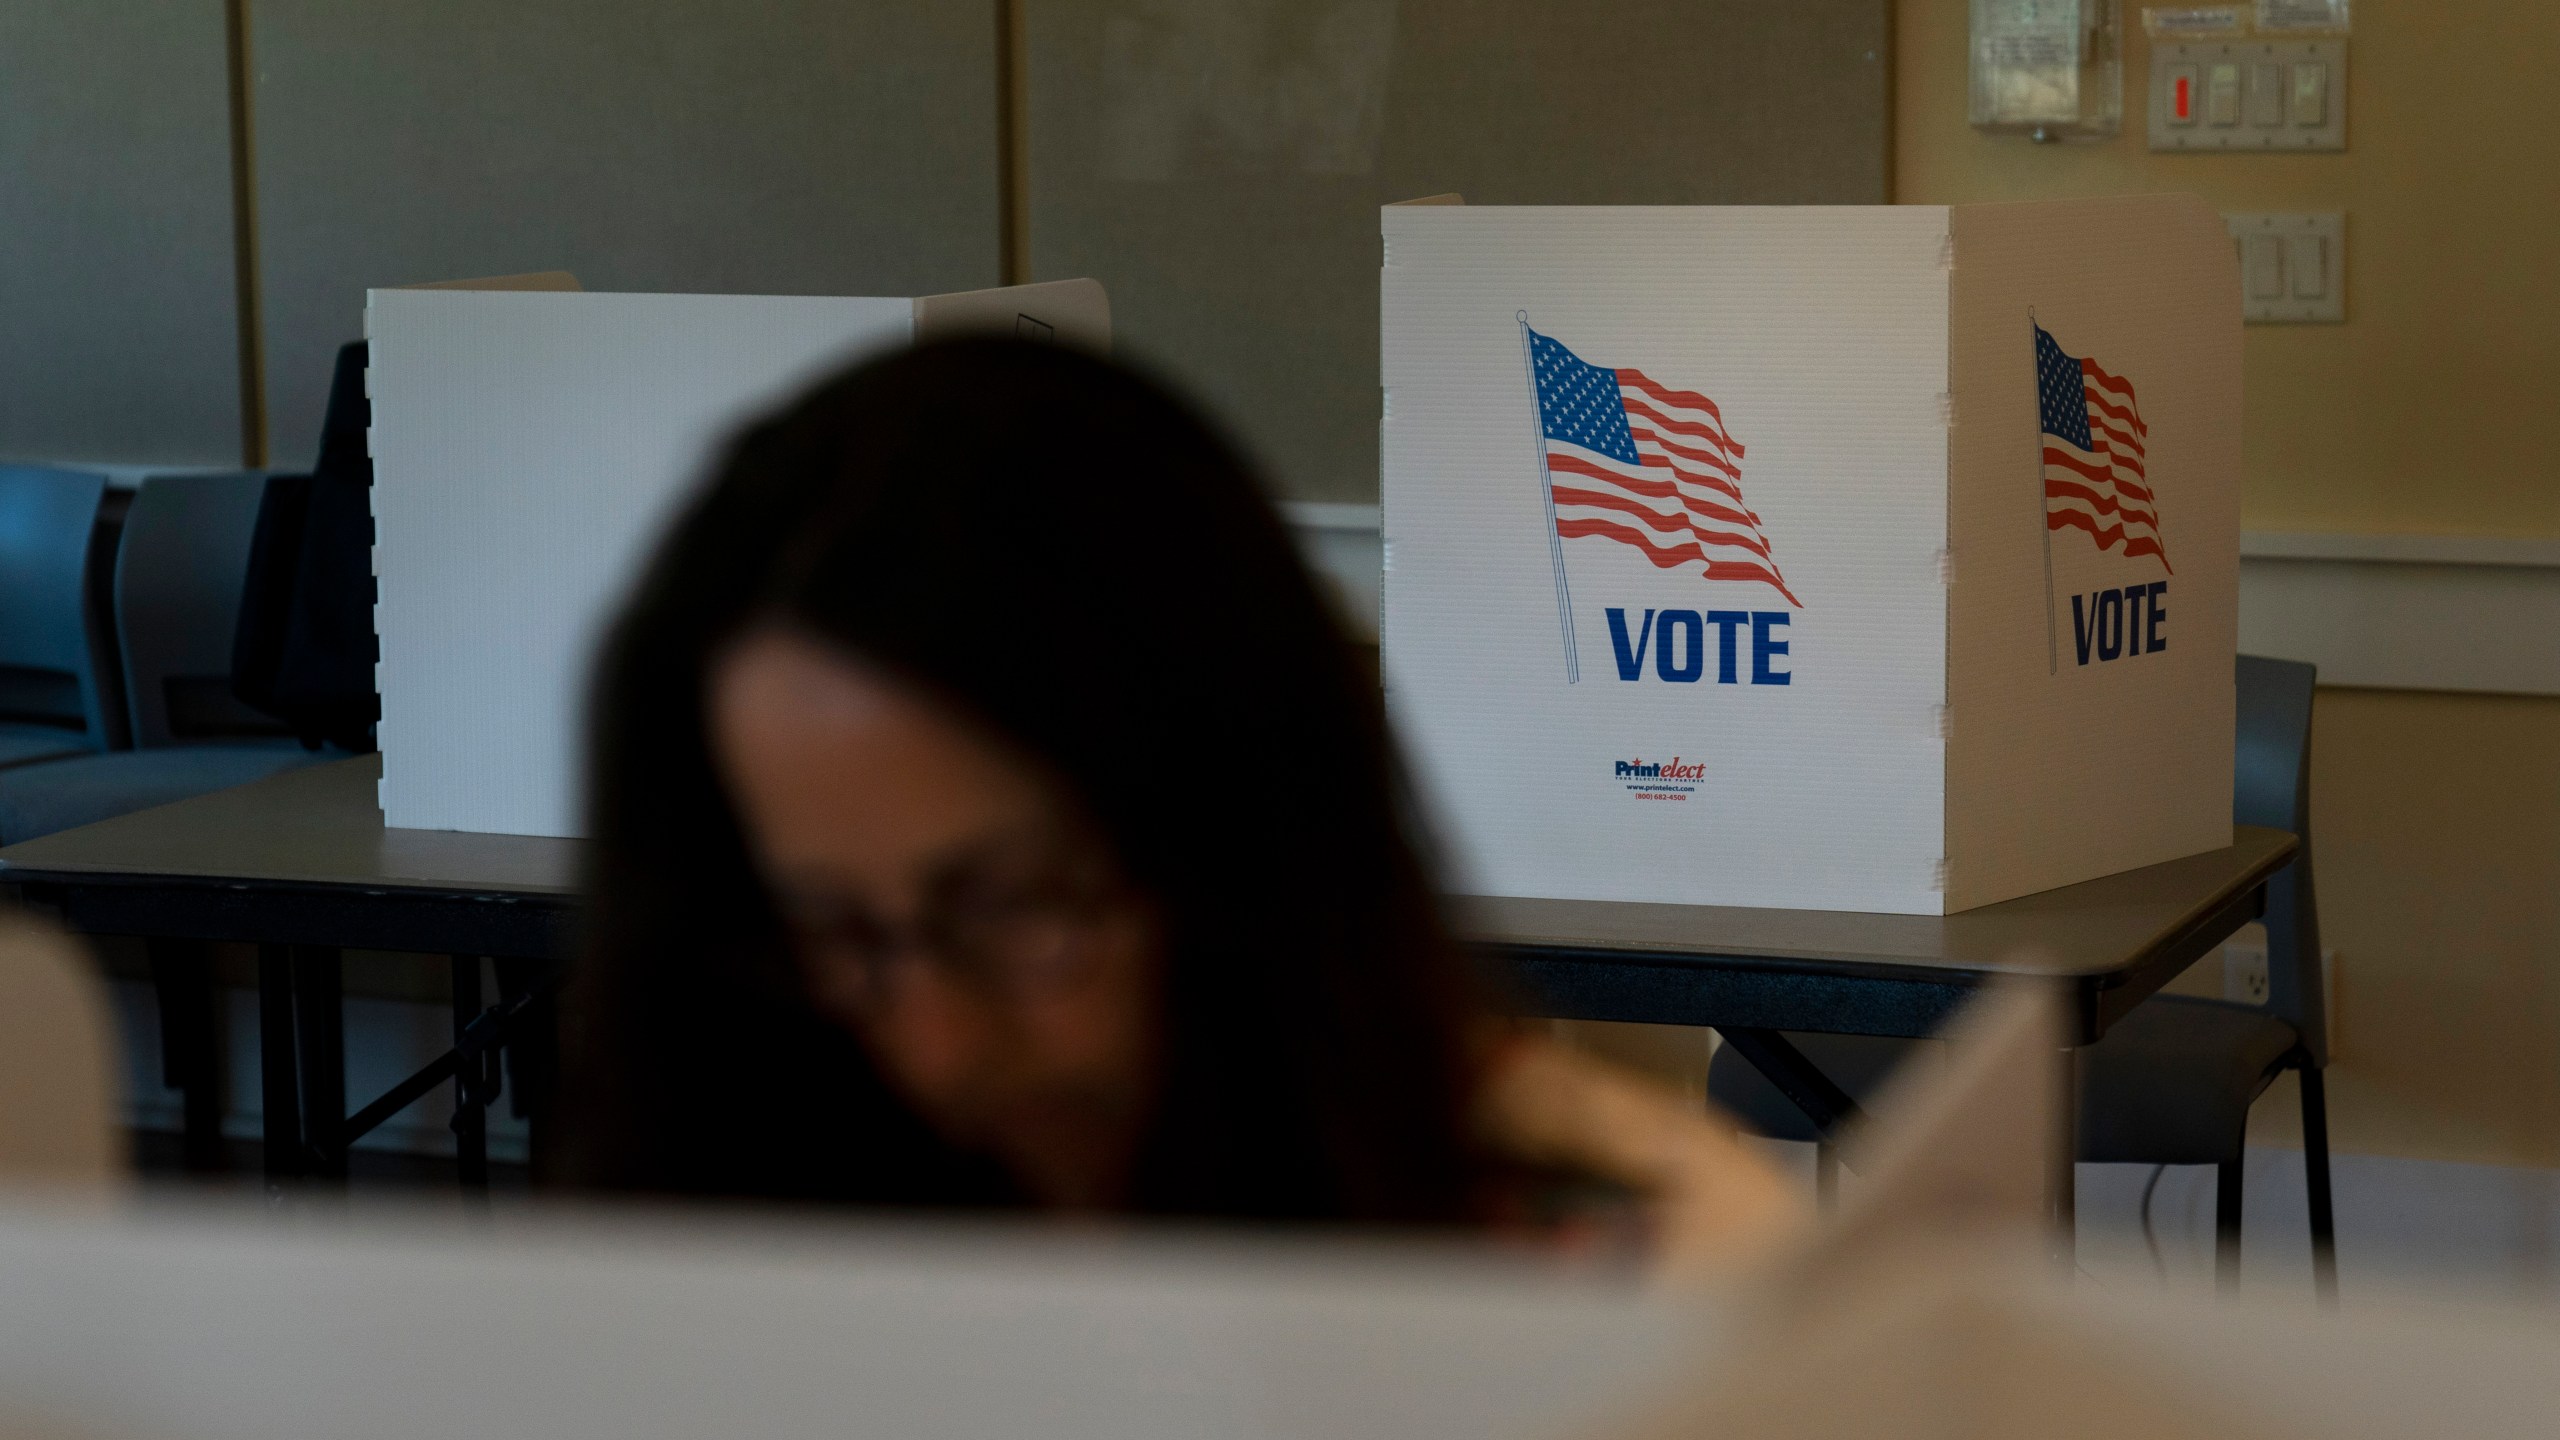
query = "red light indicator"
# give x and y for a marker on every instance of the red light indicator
(2183, 101)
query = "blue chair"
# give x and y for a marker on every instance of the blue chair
(180, 565)
(2172, 1082)
(54, 674)
(306, 647)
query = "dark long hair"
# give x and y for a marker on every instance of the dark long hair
(1059, 548)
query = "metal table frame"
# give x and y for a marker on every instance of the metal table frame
(1754, 975)
(1568, 960)
(299, 866)
(1752, 999)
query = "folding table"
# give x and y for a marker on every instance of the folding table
(302, 866)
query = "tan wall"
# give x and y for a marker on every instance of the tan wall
(2425, 411)
(2438, 824)
(2437, 816)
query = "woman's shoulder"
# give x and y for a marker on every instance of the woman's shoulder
(1706, 1203)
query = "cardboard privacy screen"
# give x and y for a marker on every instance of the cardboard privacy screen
(1835, 558)
(528, 443)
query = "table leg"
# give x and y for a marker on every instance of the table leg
(2062, 1181)
(1829, 1107)
(532, 1052)
(278, 1083)
(191, 1045)
(470, 1110)
(319, 1014)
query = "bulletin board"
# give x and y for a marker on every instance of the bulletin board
(813, 147)
(117, 288)
(1219, 166)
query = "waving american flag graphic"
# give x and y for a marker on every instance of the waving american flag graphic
(2094, 440)
(1634, 461)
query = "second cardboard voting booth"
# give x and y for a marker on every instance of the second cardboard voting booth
(528, 444)
(1854, 558)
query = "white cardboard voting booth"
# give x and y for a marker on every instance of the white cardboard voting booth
(1835, 558)
(528, 444)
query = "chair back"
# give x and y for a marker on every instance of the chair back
(180, 569)
(2271, 786)
(52, 669)
(305, 648)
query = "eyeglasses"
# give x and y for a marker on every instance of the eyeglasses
(1012, 937)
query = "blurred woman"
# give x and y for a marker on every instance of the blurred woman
(987, 812)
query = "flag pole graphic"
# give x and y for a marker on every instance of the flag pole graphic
(2044, 507)
(1547, 497)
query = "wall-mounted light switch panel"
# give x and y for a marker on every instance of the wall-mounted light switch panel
(2249, 96)
(2293, 267)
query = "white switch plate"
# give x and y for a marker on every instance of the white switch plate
(2290, 234)
(2264, 117)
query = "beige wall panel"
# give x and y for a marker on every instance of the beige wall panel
(2420, 413)
(1219, 165)
(2438, 825)
(119, 340)
(832, 147)
(2437, 816)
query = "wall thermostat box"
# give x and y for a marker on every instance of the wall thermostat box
(2047, 69)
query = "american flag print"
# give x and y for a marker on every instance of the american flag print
(2094, 478)
(1633, 461)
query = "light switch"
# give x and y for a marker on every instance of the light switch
(2222, 95)
(2182, 95)
(2293, 267)
(2310, 93)
(2266, 95)
(2239, 96)
(2306, 258)
(2262, 266)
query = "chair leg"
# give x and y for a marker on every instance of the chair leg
(1826, 1177)
(532, 1055)
(279, 1078)
(470, 1086)
(2226, 1225)
(319, 1018)
(2315, 1176)
(191, 1045)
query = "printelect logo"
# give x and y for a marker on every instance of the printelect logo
(1672, 779)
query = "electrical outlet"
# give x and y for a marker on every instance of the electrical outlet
(2244, 976)
(2244, 971)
